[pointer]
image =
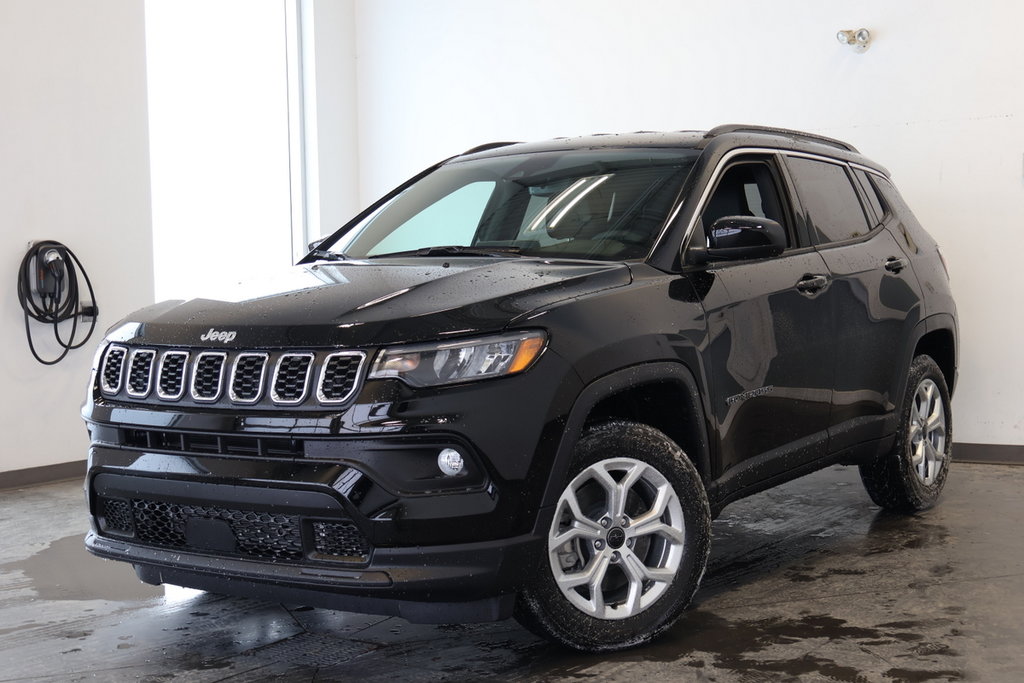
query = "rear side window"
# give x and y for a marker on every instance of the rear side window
(871, 192)
(829, 200)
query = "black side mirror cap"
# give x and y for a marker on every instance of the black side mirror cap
(734, 238)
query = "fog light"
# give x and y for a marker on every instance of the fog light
(450, 462)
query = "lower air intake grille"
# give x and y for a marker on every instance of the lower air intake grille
(257, 534)
(116, 515)
(340, 540)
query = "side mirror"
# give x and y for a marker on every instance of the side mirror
(734, 238)
(316, 243)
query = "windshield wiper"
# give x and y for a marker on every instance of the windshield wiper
(325, 255)
(454, 250)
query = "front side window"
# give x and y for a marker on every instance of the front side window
(830, 202)
(745, 189)
(588, 204)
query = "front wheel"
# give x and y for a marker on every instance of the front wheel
(911, 477)
(627, 546)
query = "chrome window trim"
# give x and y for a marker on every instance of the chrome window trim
(184, 375)
(305, 382)
(104, 387)
(220, 376)
(234, 371)
(149, 375)
(355, 384)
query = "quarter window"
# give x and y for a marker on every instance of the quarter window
(830, 202)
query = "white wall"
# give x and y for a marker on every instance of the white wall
(74, 168)
(332, 142)
(937, 98)
(218, 143)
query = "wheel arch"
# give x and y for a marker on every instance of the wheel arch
(664, 395)
(938, 339)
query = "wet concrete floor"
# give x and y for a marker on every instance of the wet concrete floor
(807, 582)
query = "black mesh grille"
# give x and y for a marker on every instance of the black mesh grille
(339, 379)
(116, 515)
(247, 381)
(112, 366)
(206, 380)
(292, 374)
(340, 540)
(257, 534)
(171, 382)
(140, 373)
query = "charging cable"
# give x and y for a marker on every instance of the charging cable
(54, 299)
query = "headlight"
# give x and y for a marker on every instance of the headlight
(425, 365)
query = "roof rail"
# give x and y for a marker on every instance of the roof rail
(486, 146)
(744, 128)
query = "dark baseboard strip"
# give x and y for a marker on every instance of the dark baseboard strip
(988, 454)
(46, 474)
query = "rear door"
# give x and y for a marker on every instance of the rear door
(874, 291)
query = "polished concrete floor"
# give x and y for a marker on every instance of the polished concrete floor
(808, 582)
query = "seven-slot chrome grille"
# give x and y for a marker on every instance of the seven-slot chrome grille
(235, 377)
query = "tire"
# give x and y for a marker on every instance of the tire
(911, 477)
(644, 567)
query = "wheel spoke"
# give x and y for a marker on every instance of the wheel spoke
(917, 453)
(655, 526)
(577, 513)
(590, 576)
(635, 568)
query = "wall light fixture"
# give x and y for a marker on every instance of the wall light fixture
(858, 39)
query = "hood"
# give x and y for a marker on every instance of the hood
(369, 303)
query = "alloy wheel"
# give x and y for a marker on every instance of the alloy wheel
(616, 541)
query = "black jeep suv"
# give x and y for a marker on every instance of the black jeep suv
(525, 381)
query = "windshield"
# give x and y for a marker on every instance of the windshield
(605, 204)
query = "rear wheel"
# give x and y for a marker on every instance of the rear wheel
(627, 546)
(912, 476)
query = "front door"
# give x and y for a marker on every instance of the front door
(769, 356)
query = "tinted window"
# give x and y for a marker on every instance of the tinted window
(871, 192)
(829, 200)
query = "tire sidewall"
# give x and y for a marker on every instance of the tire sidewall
(922, 496)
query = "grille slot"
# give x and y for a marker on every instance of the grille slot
(340, 541)
(247, 377)
(140, 372)
(113, 369)
(170, 383)
(208, 375)
(291, 378)
(339, 376)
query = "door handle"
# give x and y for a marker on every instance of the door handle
(809, 284)
(894, 264)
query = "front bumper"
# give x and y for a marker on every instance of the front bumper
(279, 540)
